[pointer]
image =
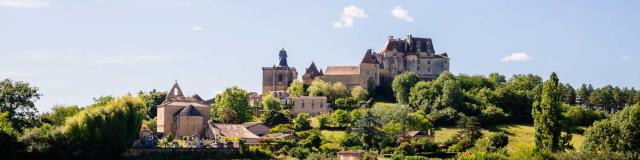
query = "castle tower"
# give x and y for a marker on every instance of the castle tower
(311, 73)
(278, 78)
(283, 58)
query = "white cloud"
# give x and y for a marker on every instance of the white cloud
(349, 13)
(25, 3)
(197, 28)
(402, 14)
(626, 57)
(516, 57)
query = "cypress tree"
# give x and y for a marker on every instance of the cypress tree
(547, 116)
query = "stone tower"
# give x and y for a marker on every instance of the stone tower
(278, 78)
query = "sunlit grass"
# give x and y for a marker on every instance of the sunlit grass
(332, 136)
(519, 135)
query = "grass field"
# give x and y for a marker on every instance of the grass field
(332, 136)
(519, 135)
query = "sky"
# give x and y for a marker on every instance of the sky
(76, 50)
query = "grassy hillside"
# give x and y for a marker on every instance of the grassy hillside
(519, 135)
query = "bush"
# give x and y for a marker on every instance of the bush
(405, 148)
(498, 140)
(447, 116)
(582, 116)
(345, 103)
(297, 152)
(282, 128)
(492, 115)
(272, 118)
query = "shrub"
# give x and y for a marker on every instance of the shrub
(446, 116)
(579, 115)
(345, 103)
(492, 115)
(498, 140)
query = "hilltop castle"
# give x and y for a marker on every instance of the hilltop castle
(396, 56)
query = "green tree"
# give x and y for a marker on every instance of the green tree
(583, 94)
(323, 120)
(548, 116)
(569, 94)
(340, 118)
(296, 88)
(11, 148)
(496, 79)
(301, 122)
(339, 90)
(58, 114)
(231, 106)
(151, 100)
(620, 133)
(105, 131)
(273, 118)
(359, 93)
(17, 99)
(367, 129)
(401, 85)
(270, 102)
(319, 87)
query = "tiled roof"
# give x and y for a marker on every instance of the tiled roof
(232, 130)
(342, 70)
(250, 124)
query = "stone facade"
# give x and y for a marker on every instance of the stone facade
(397, 56)
(411, 54)
(182, 116)
(278, 78)
(314, 105)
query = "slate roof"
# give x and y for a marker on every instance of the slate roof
(410, 44)
(250, 124)
(369, 58)
(189, 111)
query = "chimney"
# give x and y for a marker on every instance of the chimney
(390, 37)
(409, 37)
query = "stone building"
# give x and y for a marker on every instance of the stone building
(366, 74)
(397, 56)
(411, 54)
(311, 73)
(182, 116)
(278, 78)
(314, 105)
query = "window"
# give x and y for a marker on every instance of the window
(429, 69)
(429, 62)
(418, 68)
(311, 105)
(418, 61)
(280, 77)
(302, 106)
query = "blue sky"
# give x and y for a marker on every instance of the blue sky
(76, 50)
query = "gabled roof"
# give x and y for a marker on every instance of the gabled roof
(175, 90)
(410, 44)
(250, 124)
(342, 70)
(232, 130)
(369, 58)
(189, 111)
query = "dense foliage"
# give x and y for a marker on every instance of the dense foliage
(17, 99)
(231, 106)
(619, 133)
(547, 116)
(401, 85)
